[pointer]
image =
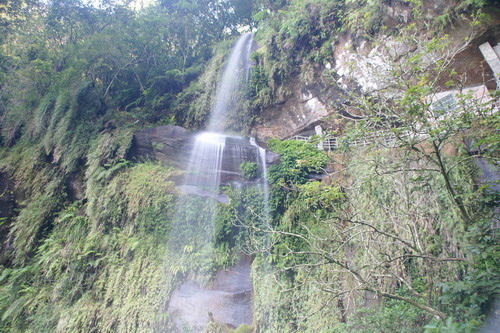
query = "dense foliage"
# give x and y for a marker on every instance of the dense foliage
(86, 248)
(387, 238)
(395, 230)
(383, 232)
(249, 170)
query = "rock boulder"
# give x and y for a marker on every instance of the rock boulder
(172, 145)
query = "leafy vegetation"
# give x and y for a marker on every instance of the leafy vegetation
(393, 238)
(249, 170)
(389, 230)
(297, 161)
(111, 256)
(388, 233)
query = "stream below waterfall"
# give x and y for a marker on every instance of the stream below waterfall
(227, 301)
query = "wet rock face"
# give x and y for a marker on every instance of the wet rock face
(228, 301)
(75, 186)
(6, 197)
(172, 145)
(236, 151)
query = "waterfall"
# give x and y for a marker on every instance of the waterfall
(263, 183)
(214, 156)
(203, 173)
(232, 84)
(206, 157)
(206, 161)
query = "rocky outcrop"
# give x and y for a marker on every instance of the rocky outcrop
(75, 186)
(369, 64)
(172, 145)
(304, 107)
(361, 64)
(167, 144)
(6, 196)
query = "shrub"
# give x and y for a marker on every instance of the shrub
(249, 170)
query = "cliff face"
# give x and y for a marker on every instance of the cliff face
(361, 64)
(304, 107)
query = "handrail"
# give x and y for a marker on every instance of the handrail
(384, 137)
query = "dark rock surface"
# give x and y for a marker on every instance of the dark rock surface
(6, 197)
(75, 186)
(195, 190)
(236, 151)
(168, 144)
(171, 145)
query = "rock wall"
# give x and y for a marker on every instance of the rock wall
(364, 65)
(168, 144)
(227, 301)
(304, 107)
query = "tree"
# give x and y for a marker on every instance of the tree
(395, 220)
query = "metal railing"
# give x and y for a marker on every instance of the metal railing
(380, 138)
(443, 108)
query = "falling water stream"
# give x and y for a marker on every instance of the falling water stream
(227, 300)
(232, 84)
(264, 185)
